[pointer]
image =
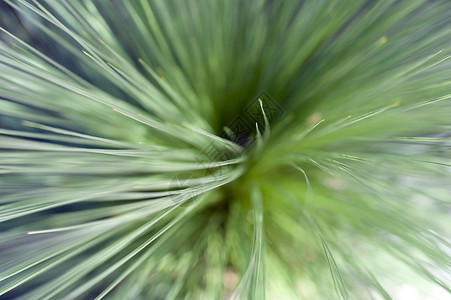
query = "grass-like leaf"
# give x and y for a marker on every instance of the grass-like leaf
(225, 149)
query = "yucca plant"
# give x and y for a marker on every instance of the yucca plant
(212, 149)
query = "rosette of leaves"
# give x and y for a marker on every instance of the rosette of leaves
(225, 149)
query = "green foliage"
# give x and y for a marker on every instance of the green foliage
(106, 189)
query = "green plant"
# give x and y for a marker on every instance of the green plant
(106, 189)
